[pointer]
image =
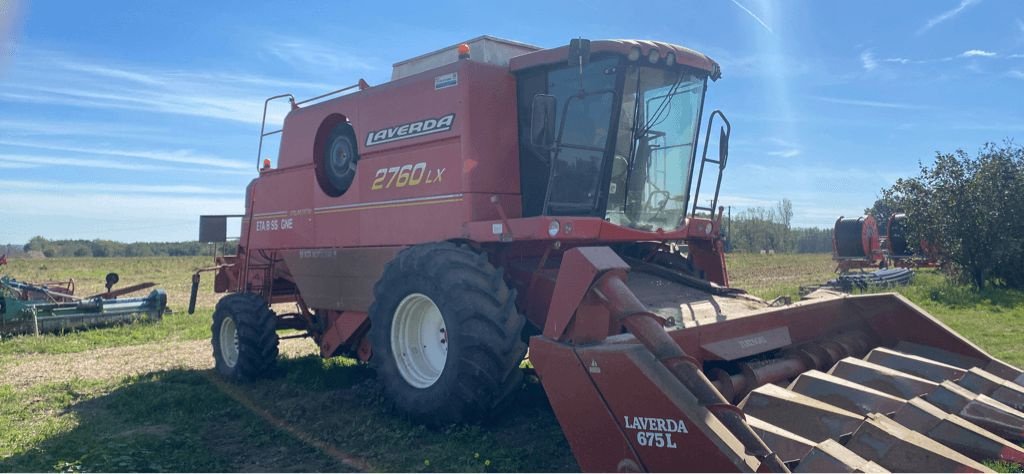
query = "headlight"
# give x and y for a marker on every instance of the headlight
(553, 228)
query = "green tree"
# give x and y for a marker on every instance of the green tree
(970, 212)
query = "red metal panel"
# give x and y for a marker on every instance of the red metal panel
(341, 331)
(580, 409)
(580, 266)
(694, 439)
(281, 217)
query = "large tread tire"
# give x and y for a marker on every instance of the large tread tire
(484, 350)
(256, 326)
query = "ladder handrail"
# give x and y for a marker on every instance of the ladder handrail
(721, 161)
(362, 85)
(263, 124)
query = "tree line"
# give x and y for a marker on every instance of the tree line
(751, 230)
(110, 248)
(769, 229)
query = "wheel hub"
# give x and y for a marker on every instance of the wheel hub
(229, 341)
(419, 340)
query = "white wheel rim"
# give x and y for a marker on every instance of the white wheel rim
(229, 341)
(419, 340)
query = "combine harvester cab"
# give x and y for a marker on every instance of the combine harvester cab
(495, 191)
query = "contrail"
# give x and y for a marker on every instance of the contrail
(946, 15)
(752, 15)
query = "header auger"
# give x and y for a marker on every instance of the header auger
(481, 203)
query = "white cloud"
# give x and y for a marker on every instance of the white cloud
(947, 15)
(307, 53)
(744, 201)
(107, 188)
(897, 60)
(49, 161)
(1016, 74)
(48, 77)
(169, 156)
(121, 217)
(9, 165)
(868, 103)
(786, 153)
(976, 53)
(52, 128)
(867, 60)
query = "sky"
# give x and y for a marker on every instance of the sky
(126, 120)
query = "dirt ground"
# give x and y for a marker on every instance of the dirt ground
(118, 362)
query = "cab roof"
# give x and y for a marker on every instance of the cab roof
(683, 55)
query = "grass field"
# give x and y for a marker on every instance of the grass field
(142, 397)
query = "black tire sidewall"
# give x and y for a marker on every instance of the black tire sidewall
(335, 184)
(218, 353)
(474, 378)
(257, 336)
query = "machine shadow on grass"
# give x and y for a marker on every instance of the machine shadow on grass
(178, 420)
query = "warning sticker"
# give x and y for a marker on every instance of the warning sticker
(446, 80)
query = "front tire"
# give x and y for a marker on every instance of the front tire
(445, 334)
(244, 337)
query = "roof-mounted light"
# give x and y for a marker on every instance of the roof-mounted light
(634, 54)
(463, 51)
(670, 59)
(652, 56)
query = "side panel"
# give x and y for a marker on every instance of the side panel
(338, 279)
(281, 216)
(432, 153)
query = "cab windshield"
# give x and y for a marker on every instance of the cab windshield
(623, 145)
(656, 136)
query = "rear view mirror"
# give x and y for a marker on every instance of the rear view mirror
(542, 121)
(723, 147)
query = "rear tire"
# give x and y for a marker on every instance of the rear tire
(244, 337)
(445, 334)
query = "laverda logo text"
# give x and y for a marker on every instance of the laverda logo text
(411, 130)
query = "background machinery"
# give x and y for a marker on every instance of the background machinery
(53, 306)
(496, 196)
(856, 243)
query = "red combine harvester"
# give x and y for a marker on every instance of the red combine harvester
(496, 196)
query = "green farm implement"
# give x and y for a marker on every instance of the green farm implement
(53, 307)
